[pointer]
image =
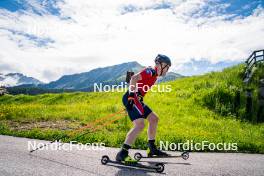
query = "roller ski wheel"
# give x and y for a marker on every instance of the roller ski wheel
(160, 167)
(185, 155)
(105, 159)
(138, 156)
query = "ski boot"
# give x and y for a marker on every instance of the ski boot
(123, 157)
(153, 151)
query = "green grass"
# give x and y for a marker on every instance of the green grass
(198, 108)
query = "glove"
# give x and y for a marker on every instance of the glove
(131, 100)
(140, 98)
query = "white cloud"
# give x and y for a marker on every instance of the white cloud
(99, 35)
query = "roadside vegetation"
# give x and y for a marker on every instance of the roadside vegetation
(199, 108)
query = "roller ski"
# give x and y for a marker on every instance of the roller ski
(138, 156)
(128, 161)
(153, 152)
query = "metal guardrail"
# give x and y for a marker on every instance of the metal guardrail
(255, 58)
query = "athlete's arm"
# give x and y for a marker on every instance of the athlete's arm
(133, 82)
(132, 89)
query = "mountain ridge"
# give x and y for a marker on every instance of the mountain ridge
(110, 75)
(16, 79)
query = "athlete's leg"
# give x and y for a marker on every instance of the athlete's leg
(136, 117)
(153, 123)
(152, 129)
(130, 138)
(133, 133)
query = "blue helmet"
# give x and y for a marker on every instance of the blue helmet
(163, 59)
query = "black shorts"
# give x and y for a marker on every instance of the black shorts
(134, 113)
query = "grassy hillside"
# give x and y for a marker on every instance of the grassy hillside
(198, 108)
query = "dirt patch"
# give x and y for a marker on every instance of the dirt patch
(27, 125)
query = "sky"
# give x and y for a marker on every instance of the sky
(46, 39)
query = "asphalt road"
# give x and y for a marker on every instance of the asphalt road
(15, 160)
